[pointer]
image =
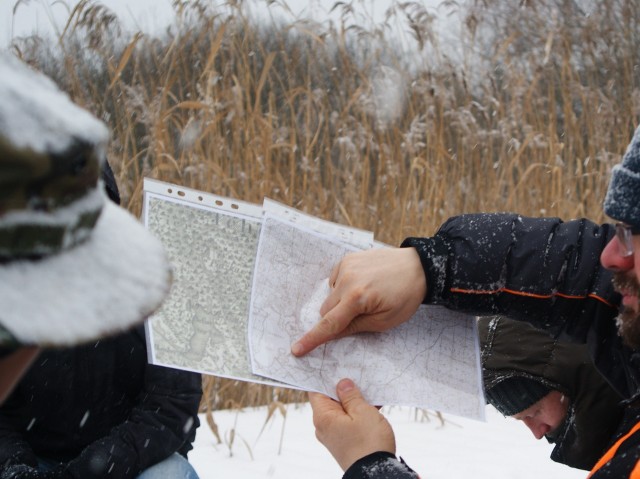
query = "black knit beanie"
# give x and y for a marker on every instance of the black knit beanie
(515, 394)
(623, 196)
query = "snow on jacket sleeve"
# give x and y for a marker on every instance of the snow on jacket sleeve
(13, 448)
(539, 269)
(162, 423)
(380, 465)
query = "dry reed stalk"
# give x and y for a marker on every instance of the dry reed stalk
(532, 120)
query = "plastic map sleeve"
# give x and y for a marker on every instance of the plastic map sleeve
(249, 280)
(430, 361)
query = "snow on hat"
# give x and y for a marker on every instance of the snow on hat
(514, 394)
(73, 265)
(623, 196)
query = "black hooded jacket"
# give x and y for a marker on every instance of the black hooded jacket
(101, 409)
(516, 349)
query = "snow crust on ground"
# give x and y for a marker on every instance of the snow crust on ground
(501, 448)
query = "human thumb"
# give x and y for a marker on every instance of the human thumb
(349, 395)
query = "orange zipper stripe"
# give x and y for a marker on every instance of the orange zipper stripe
(530, 295)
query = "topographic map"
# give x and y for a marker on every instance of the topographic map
(430, 361)
(250, 279)
(202, 325)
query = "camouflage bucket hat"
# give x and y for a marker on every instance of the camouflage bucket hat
(73, 265)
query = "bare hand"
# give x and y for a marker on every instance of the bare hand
(372, 290)
(350, 429)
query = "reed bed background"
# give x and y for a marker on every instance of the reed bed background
(345, 122)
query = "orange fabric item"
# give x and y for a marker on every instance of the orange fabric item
(635, 474)
(531, 295)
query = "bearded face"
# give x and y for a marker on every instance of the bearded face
(628, 320)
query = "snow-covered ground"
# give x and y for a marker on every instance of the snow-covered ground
(286, 448)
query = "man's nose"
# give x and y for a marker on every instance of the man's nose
(538, 428)
(613, 260)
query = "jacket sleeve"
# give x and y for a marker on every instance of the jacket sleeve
(380, 465)
(541, 270)
(13, 448)
(163, 422)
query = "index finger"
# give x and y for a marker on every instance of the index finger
(323, 331)
(317, 399)
(321, 404)
(334, 324)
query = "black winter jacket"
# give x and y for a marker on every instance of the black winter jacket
(380, 465)
(541, 270)
(100, 404)
(622, 459)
